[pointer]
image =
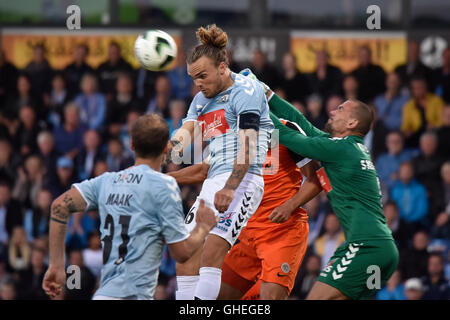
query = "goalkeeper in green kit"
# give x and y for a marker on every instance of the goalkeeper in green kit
(367, 259)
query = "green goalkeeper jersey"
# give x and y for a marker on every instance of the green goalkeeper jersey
(348, 175)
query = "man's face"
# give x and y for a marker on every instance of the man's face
(446, 116)
(418, 89)
(340, 118)
(206, 76)
(394, 143)
(435, 266)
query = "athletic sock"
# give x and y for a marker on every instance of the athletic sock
(186, 287)
(208, 286)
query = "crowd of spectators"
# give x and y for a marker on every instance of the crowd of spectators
(58, 127)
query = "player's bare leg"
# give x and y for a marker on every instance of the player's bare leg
(272, 291)
(228, 292)
(214, 252)
(187, 277)
(323, 291)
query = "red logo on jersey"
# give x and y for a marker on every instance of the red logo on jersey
(324, 181)
(213, 124)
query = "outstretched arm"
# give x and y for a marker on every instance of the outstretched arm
(194, 174)
(317, 148)
(69, 202)
(284, 110)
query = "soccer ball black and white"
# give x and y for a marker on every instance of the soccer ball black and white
(155, 50)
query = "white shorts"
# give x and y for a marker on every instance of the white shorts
(100, 297)
(247, 198)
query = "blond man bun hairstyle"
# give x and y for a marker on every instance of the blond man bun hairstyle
(213, 43)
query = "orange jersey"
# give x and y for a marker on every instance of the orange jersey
(282, 180)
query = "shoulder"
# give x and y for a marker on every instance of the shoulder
(245, 85)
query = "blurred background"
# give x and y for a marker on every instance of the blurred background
(68, 97)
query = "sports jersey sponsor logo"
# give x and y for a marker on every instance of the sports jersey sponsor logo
(324, 181)
(213, 124)
(128, 178)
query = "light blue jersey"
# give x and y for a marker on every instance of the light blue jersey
(139, 209)
(219, 116)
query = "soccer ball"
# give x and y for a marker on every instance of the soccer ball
(155, 50)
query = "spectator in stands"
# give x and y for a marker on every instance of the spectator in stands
(10, 212)
(410, 196)
(413, 289)
(90, 153)
(100, 168)
(399, 228)
(121, 104)
(23, 97)
(36, 220)
(350, 87)
(19, 252)
(394, 289)
(91, 103)
(315, 113)
(76, 237)
(30, 285)
(264, 71)
(421, 113)
(30, 181)
(388, 163)
(8, 290)
(443, 77)
(414, 66)
(39, 71)
(177, 113)
(326, 80)
(294, 83)
(75, 71)
(87, 281)
(436, 287)
(305, 279)
(159, 103)
(58, 98)
(9, 161)
(124, 135)
(443, 134)
(333, 237)
(180, 81)
(145, 84)
(109, 70)
(115, 158)
(27, 131)
(69, 136)
(440, 203)
(93, 255)
(370, 77)
(48, 153)
(65, 176)
(427, 165)
(390, 104)
(8, 79)
(413, 261)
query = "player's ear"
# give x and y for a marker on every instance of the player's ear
(222, 68)
(352, 123)
(131, 144)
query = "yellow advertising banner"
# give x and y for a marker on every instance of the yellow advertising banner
(18, 45)
(388, 48)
